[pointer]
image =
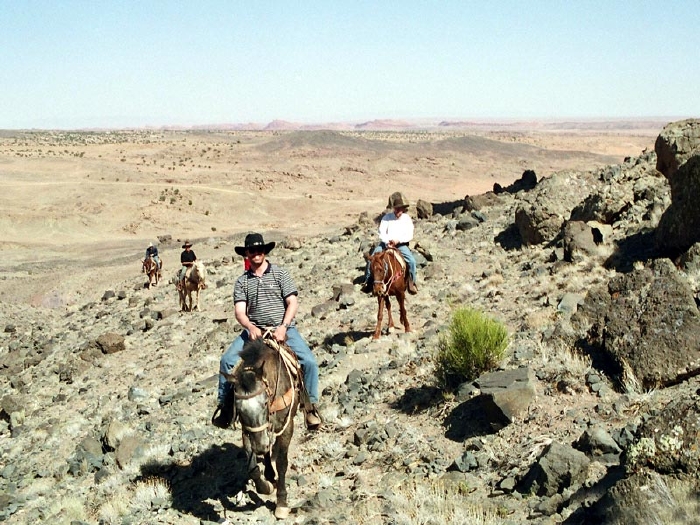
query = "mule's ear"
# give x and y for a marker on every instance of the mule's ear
(367, 256)
(229, 377)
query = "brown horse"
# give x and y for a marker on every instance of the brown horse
(152, 270)
(387, 269)
(266, 400)
(195, 280)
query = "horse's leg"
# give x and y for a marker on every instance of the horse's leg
(401, 298)
(388, 311)
(196, 301)
(380, 313)
(262, 486)
(281, 462)
(183, 300)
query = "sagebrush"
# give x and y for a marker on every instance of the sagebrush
(473, 344)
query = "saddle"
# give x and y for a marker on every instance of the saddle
(291, 362)
(397, 255)
(402, 262)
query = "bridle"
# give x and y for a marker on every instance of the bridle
(274, 401)
(390, 276)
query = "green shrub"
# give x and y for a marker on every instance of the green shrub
(473, 345)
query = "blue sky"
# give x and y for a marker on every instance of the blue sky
(91, 63)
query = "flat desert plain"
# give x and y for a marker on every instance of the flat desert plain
(79, 207)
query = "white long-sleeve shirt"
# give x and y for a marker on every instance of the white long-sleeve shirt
(396, 229)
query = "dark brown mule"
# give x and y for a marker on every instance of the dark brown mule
(152, 271)
(387, 269)
(266, 400)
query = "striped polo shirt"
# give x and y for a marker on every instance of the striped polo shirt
(265, 296)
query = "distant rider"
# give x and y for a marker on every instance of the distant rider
(152, 251)
(395, 231)
(187, 259)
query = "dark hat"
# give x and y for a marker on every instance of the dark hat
(397, 200)
(253, 240)
(187, 243)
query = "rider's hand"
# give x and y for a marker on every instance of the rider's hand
(280, 334)
(254, 332)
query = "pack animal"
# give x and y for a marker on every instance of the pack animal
(388, 271)
(266, 399)
(152, 271)
(195, 281)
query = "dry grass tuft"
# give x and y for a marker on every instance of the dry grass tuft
(562, 357)
(434, 503)
(149, 492)
(630, 383)
(67, 510)
(113, 511)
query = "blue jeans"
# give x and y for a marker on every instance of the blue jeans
(306, 358)
(407, 256)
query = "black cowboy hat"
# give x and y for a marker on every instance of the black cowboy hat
(253, 240)
(187, 243)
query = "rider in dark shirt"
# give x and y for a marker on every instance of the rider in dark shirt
(152, 251)
(187, 258)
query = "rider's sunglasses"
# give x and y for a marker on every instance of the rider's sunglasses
(255, 250)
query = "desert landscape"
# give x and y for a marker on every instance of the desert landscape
(97, 198)
(594, 270)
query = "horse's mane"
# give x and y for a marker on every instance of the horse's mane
(254, 356)
(255, 352)
(198, 266)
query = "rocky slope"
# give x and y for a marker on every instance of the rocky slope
(592, 418)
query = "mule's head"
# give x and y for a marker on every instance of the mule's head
(253, 409)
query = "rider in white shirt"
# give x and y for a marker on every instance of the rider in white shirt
(396, 230)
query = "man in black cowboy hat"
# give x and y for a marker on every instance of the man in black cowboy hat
(265, 297)
(187, 258)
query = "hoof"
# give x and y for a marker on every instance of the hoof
(282, 512)
(264, 487)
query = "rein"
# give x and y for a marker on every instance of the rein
(390, 276)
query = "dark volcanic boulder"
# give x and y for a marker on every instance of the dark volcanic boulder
(678, 158)
(646, 324)
(537, 224)
(667, 442)
(559, 467)
(676, 143)
(679, 227)
(641, 499)
(543, 210)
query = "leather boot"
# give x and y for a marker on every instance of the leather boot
(313, 419)
(223, 415)
(412, 287)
